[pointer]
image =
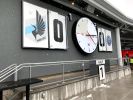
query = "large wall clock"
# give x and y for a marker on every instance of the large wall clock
(86, 35)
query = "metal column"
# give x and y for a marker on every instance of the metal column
(118, 42)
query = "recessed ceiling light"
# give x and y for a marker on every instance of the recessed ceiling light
(73, 3)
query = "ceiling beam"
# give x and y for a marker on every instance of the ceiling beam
(78, 11)
(126, 29)
(130, 39)
(104, 6)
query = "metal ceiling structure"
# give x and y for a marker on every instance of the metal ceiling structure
(126, 24)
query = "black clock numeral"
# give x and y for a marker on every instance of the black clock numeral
(58, 30)
(101, 38)
(101, 71)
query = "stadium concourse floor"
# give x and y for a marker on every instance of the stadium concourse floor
(120, 89)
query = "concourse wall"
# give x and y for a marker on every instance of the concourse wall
(11, 50)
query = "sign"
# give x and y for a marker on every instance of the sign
(57, 31)
(109, 41)
(105, 40)
(43, 28)
(35, 27)
(100, 62)
(102, 72)
(101, 37)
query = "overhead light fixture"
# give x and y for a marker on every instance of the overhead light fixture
(90, 8)
(72, 2)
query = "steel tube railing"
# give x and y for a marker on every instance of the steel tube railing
(7, 72)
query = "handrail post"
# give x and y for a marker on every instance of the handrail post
(63, 73)
(83, 69)
(29, 71)
(16, 74)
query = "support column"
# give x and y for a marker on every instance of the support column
(16, 74)
(27, 92)
(1, 94)
(118, 42)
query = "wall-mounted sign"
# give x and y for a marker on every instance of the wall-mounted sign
(57, 30)
(105, 40)
(101, 61)
(102, 72)
(102, 39)
(101, 66)
(108, 41)
(86, 35)
(35, 27)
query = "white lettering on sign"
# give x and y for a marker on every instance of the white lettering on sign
(99, 62)
(102, 72)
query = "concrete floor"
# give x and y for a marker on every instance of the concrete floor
(120, 89)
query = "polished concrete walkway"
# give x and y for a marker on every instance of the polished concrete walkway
(120, 89)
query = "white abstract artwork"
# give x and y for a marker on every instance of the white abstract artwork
(57, 31)
(35, 27)
(105, 40)
(108, 41)
(101, 39)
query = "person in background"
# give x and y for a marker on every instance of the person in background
(126, 60)
(131, 63)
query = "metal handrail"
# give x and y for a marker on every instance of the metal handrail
(7, 68)
(7, 71)
(12, 69)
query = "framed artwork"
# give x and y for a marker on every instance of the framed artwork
(35, 27)
(101, 38)
(100, 43)
(57, 30)
(105, 40)
(108, 41)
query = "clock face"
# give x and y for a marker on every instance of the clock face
(86, 35)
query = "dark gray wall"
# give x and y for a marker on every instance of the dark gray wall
(10, 38)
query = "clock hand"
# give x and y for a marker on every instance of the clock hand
(91, 35)
(91, 38)
(86, 34)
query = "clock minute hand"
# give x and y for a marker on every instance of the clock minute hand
(91, 37)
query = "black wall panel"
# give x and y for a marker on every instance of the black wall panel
(10, 40)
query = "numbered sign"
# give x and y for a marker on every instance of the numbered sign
(102, 72)
(57, 30)
(100, 62)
